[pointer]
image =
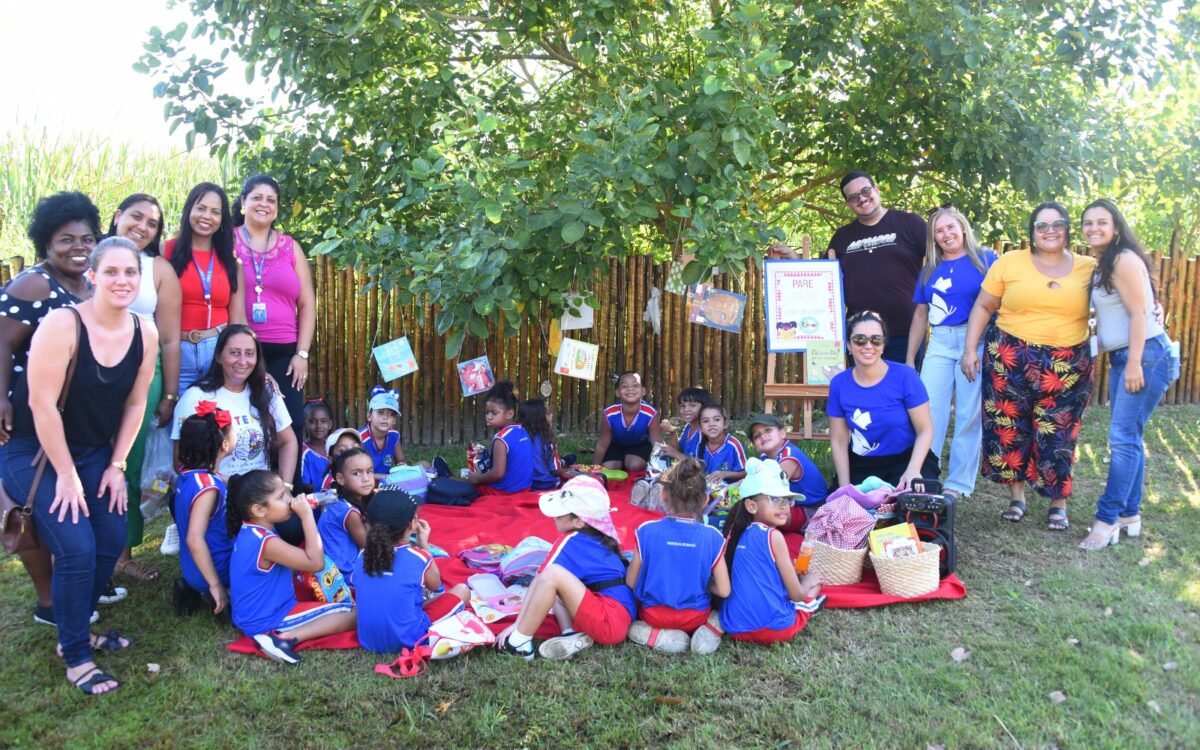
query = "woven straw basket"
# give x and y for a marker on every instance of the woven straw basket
(909, 576)
(838, 567)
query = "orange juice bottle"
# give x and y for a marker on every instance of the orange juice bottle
(804, 557)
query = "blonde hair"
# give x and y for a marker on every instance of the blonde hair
(933, 252)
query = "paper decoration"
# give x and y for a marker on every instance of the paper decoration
(675, 283)
(715, 308)
(653, 314)
(577, 359)
(803, 300)
(583, 318)
(825, 359)
(395, 359)
(476, 376)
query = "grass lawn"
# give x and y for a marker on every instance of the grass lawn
(861, 678)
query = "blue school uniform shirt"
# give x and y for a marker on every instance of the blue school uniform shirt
(951, 289)
(216, 534)
(759, 598)
(335, 537)
(811, 485)
(390, 614)
(384, 457)
(878, 416)
(731, 456)
(518, 470)
(689, 441)
(633, 433)
(260, 593)
(678, 556)
(543, 470)
(589, 560)
(313, 466)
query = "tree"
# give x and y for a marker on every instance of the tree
(491, 156)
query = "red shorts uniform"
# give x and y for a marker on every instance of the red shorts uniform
(661, 617)
(603, 618)
(771, 635)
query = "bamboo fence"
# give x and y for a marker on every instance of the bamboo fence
(350, 322)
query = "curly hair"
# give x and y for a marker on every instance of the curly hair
(245, 491)
(155, 245)
(222, 240)
(200, 442)
(686, 487)
(52, 212)
(504, 394)
(259, 179)
(379, 553)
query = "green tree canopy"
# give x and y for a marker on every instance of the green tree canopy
(493, 155)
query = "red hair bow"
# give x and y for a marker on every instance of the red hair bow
(204, 408)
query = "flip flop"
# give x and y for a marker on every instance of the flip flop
(95, 677)
(410, 663)
(1016, 511)
(1056, 519)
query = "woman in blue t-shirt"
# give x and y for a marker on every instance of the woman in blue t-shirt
(946, 290)
(879, 420)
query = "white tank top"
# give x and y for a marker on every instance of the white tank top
(146, 301)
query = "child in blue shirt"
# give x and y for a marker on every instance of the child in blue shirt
(260, 568)
(548, 469)
(511, 453)
(379, 437)
(394, 575)
(341, 523)
(628, 428)
(687, 408)
(338, 442)
(723, 455)
(314, 456)
(677, 564)
(205, 438)
(582, 579)
(769, 603)
(769, 435)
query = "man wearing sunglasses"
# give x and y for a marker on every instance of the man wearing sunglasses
(880, 254)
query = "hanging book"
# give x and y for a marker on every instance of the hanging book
(476, 376)
(715, 308)
(577, 359)
(578, 314)
(395, 359)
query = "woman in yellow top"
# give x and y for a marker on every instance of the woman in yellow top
(1039, 363)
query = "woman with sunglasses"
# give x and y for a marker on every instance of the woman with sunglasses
(1039, 367)
(879, 421)
(946, 290)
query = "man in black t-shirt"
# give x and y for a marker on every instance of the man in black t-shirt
(880, 254)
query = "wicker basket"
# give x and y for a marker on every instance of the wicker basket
(838, 567)
(909, 576)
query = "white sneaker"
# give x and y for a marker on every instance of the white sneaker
(113, 594)
(170, 543)
(564, 646)
(277, 647)
(707, 637)
(665, 639)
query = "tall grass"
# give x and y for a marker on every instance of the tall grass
(35, 163)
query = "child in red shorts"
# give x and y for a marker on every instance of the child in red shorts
(582, 580)
(679, 561)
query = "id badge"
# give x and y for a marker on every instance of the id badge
(1094, 345)
(258, 312)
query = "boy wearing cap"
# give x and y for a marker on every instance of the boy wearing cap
(379, 439)
(392, 612)
(768, 433)
(582, 580)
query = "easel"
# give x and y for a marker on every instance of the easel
(802, 394)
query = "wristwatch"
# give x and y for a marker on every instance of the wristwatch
(121, 465)
(302, 354)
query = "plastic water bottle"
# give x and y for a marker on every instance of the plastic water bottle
(323, 498)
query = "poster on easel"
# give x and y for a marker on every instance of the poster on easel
(577, 359)
(804, 304)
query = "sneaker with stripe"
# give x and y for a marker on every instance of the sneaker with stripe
(277, 647)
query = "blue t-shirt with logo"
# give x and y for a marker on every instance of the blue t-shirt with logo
(192, 484)
(313, 466)
(951, 289)
(678, 556)
(689, 441)
(543, 466)
(628, 433)
(589, 560)
(731, 456)
(385, 456)
(260, 593)
(811, 484)
(878, 416)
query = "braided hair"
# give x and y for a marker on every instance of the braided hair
(200, 441)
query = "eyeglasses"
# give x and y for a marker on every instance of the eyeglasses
(779, 502)
(1058, 225)
(855, 198)
(860, 339)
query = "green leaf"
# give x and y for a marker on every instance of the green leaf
(573, 231)
(454, 342)
(492, 210)
(741, 152)
(274, 33)
(712, 84)
(694, 272)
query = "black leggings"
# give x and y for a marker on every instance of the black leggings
(889, 468)
(278, 357)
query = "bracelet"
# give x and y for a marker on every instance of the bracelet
(170, 397)
(288, 485)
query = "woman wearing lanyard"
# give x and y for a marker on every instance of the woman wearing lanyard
(203, 259)
(280, 300)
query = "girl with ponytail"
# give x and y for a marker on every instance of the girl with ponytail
(205, 439)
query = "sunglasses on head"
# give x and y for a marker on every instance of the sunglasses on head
(943, 207)
(861, 339)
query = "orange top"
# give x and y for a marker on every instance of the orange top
(196, 314)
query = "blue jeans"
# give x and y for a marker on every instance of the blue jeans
(1130, 413)
(194, 360)
(85, 552)
(944, 380)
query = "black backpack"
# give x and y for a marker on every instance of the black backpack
(447, 491)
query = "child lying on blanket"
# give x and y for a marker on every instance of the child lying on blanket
(582, 580)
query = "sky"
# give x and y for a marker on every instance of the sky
(67, 68)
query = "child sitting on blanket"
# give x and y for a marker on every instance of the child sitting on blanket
(679, 561)
(511, 453)
(628, 428)
(341, 523)
(582, 580)
(338, 442)
(723, 455)
(769, 603)
(687, 408)
(260, 581)
(380, 438)
(314, 455)
(548, 469)
(394, 574)
(769, 435)
(205, 439)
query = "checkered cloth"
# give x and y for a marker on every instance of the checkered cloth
(841, 523)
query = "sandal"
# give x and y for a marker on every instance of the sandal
(410, 663)
(136, 570)
(95, 678)
(1056, 519)
(111, 641)
(1016, 511)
